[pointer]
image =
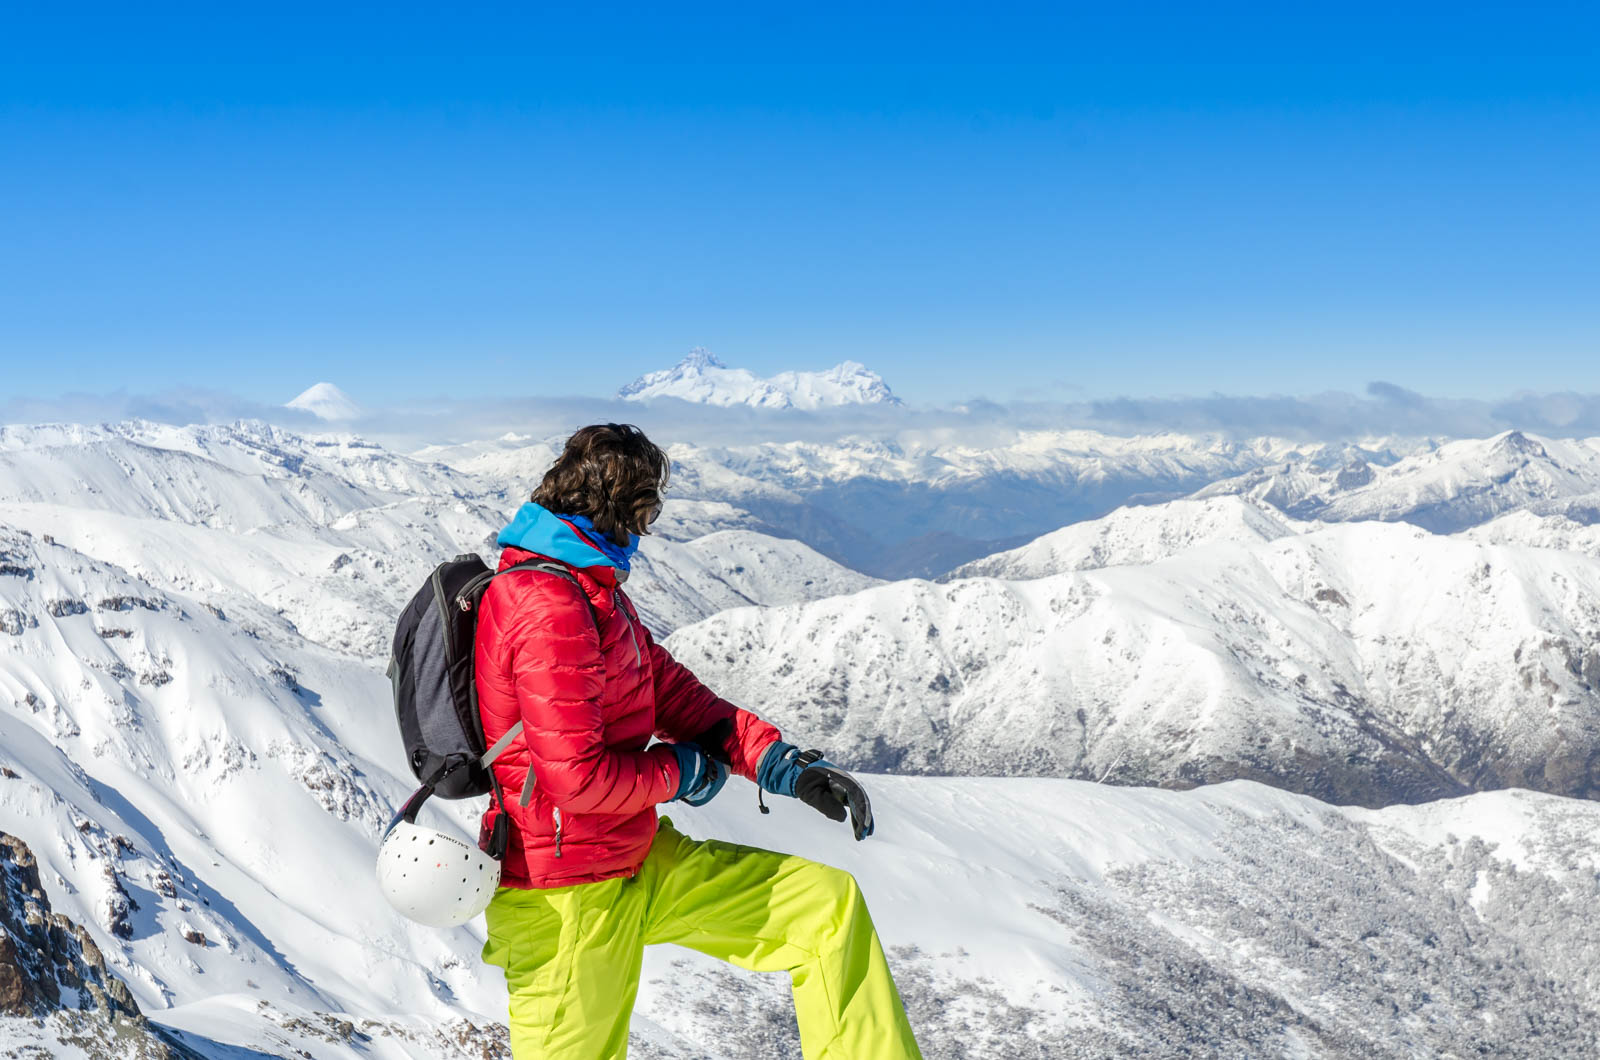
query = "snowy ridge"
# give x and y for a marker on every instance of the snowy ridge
(1539, 531)
(702, 379)
(1449, 488)
(676, 584)
(1363, 662)
(1134, 536)
(235, 477)
(334, 535)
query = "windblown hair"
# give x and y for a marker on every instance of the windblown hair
(610, 473)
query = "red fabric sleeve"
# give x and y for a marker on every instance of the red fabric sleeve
(685, 708)
(559, 673)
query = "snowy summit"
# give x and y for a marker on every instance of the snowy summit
(326, 402)
(703, 379)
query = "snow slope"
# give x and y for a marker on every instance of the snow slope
(1364, 662)
(1024, 918)
(1539, 531)
(1134, 536)
(703, 379)
(1046, 918)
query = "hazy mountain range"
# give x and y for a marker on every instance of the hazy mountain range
(702, 379)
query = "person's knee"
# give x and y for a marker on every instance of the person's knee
(838, 890)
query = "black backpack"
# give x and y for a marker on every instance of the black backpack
(435, 695)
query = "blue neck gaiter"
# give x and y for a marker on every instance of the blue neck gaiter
(619, 556)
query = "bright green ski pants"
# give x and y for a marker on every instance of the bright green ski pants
(572, 954)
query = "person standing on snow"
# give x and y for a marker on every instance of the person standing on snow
(590, 876)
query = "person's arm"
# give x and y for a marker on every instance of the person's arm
(687, 710)
(560, 677)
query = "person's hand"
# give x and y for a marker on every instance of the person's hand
(830, 790)
(700, 775)
(817, 782)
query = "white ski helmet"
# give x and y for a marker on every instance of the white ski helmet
(433, 877)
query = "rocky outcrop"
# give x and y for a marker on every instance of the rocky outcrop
(53, 974)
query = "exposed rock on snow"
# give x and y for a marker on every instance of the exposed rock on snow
(52, 972)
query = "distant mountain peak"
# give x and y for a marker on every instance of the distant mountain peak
(700, 357)
(326, 402)
(1517, 442)
(704, 379)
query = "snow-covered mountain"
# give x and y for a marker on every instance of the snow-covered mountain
(326, 402)
(334, 534)
(197, 747)
(234, 477)
(702, 379)
(1448, 488)
(1362, 662)
(1539, 531)
(1135, 536)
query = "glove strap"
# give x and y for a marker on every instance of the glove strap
(804, 758)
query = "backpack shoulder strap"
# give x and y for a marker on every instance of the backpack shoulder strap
(548, 567)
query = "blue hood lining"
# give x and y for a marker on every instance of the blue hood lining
(534, 528)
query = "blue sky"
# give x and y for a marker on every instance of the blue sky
(1073, 204)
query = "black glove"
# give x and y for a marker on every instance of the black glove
(817, 782)
(827, 788)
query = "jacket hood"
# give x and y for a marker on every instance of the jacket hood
(536, 529)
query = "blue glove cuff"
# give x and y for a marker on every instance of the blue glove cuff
(692, 765)
(781, 766)
(779, 770)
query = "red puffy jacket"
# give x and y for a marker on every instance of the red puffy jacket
(590, 691)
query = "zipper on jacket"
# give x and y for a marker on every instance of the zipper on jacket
(556, 813)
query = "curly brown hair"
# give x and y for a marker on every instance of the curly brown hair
(610, 473)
